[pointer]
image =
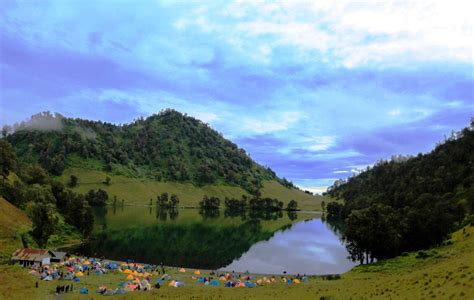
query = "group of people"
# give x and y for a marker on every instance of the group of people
(64, 289)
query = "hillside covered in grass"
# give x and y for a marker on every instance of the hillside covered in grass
(168, 146)
(139, 191)
(13, 221)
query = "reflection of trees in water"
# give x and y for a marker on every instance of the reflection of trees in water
(163, 213)
(100, 216)
(355, 253)
(292, 215)
(190, 244)
(245, 215)
(209, 213)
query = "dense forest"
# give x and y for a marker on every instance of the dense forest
(168, 146)
(53, 208)
(407, 204)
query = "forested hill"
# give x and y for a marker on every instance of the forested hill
(168, 146)
(408, 204)
(446, 171)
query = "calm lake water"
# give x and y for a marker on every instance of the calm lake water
(267, 243)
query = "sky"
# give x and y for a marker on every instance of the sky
(316, 90)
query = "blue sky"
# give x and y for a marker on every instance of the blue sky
(313, 89)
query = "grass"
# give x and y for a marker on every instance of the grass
(13, 222)
(447, 273)
(140, 190)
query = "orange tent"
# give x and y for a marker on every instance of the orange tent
(130, 277)
(182, 270)
(128, 271)
(197, 272)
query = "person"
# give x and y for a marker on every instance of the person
(58, 290)
(67, 288)
(157, 285)
(36, 284)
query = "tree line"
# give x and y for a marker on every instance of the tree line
(407, 204)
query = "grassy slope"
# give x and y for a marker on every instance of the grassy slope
(447, 275)
(12, 221)
(140, 191)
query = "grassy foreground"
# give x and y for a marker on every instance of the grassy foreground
(140, 190)
(447, 273)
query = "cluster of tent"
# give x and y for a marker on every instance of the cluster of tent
(139, 276)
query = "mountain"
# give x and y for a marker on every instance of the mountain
(168, 147)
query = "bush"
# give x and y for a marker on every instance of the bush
(422, 254)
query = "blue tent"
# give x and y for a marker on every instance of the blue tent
(84, 291)
(249, 284)
(214, 283)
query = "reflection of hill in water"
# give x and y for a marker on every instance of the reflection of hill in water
(195, 244)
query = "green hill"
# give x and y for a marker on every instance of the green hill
(167, 152)
(408, 203)
(12, 222)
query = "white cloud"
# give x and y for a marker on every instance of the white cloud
(268, 124)
(323, 143)
(357, 33)
(395, 112)
(341, 172)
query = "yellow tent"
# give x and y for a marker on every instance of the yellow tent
(297, 281)
(182, 270)
(130, 277)
(119, 270)
(171, 283)
(259, 281)
(128, 271)
(79, 274)
(87, 263)
(222, 278)
(197, 272)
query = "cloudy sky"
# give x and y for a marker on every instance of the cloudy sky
(313, 89)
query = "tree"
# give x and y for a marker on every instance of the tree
(79, 214)
(162, 200)
(7, 158)
(174, 200)
(34, 174)
(73, 181)
(334, 210)
(98, 198)
(6, 129)
(323, 205)
(44, 222)
(107, 180)
(292, 205)
(209, 202)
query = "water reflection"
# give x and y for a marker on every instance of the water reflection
(258, 241)
(308, 247)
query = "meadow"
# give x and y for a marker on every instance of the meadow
(139, 191)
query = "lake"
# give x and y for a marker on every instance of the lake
(258, 242)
